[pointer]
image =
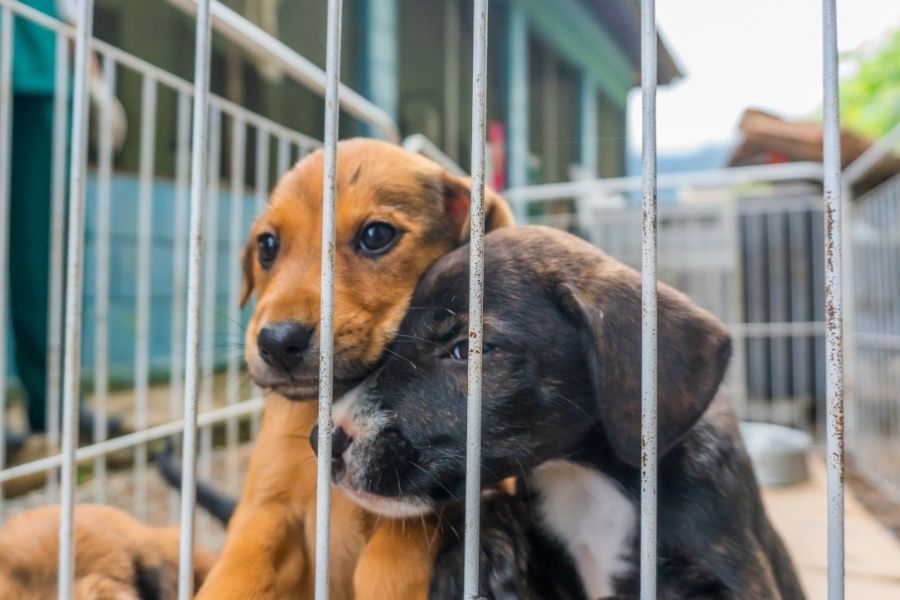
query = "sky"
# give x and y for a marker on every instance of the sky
(742, 53)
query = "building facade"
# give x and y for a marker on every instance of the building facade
(559, 73)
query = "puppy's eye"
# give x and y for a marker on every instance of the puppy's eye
(377, 238)
(267, 248)
(460, 350)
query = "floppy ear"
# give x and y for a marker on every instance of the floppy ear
(457, 193)
(247, 267)
(693, 353)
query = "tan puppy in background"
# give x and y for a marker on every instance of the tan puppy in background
(397, 212)
(116, 558)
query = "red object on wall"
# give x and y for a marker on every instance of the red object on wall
(776, 158)
(497, 144)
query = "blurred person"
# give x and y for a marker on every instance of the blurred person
(33, 87)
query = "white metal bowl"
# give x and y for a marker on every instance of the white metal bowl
(778, 453)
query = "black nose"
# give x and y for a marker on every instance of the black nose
(340, 441)
(282, 345)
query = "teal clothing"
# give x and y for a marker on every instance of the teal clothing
(34, 65)
(29, 246)
(34, 52)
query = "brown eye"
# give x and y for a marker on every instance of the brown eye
(267, 249)
(377, 238)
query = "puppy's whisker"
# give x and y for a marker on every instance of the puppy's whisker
(224, 341)
(411, 363)
(425, 531)
(488, 470)
(442, 308)
(455, 532)
(562, 400)
(402, 337)
(229, 353)
(232, 334)
(224, 315)
(246, 383)
(399, 487)
(237, 378)
(435, 479)
(525, 482)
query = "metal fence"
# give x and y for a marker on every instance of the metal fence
(873, 437)
(197, 220)
(753, 258)
(157, 228)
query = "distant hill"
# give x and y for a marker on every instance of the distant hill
(712, 156)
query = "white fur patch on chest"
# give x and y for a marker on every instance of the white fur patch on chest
(590, 515)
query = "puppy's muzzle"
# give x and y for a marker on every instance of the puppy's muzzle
(283, 345)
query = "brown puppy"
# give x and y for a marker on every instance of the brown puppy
(116, 557)
(397, 213)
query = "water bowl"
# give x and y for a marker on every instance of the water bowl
(778, 453)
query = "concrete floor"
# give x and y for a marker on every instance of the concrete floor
(872, 553)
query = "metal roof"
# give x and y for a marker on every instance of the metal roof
(622, 20)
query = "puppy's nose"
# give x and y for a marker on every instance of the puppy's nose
(281, 345)
(340, 441)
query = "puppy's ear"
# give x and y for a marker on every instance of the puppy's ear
(693, 353)
(457, 193)
(247, 282)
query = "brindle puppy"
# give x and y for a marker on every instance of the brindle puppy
(562, 395)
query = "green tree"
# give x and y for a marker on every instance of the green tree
(870, 99)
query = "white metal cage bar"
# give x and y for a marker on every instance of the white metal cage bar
(420, 144)
(472, 533)
(326, 325)
(262, 167)
(179, 258)
(57, 258)
(235, 224)
(142, 295)
(284, 155)
(157, 432)
(648, 302)
(101, 280)
(179, 243)
(261, 173)
(203, 170)
(199, 140)
(210, 272)
(834, 332)
(72, 344)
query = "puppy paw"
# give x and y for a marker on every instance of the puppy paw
(505, 552)
(99, 587)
